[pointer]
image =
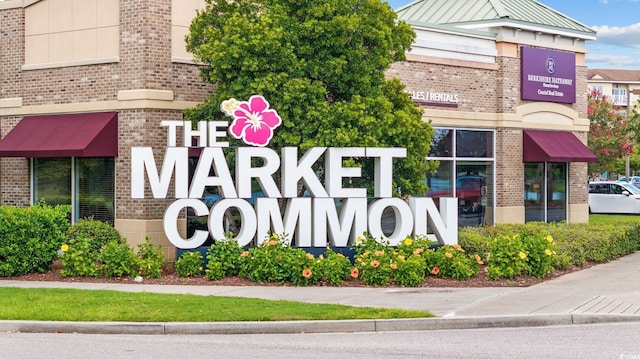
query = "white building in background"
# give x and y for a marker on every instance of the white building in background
(621, 86)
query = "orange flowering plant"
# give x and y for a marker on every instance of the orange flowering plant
(452, 261)
(274, 260)
(373, 260)
(333, 268)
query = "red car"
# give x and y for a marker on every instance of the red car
(469, 191)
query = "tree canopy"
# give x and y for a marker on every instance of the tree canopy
(609, 133)
(321, 64)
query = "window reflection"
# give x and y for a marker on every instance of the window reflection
(474, 143)
(442, 143)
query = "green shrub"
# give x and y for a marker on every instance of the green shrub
(273, 260)
(189, 264)
(507, 257)
(225, 254)
(373, 261)
(474, 240)
(214, 270)
(30, 237)
(86, 240)
(99, 233)
(333, 267)
(117, 259)
(78, 259)
(150, 259)
(304, 268)
(540, 249)
(451, 261)
(410, 271)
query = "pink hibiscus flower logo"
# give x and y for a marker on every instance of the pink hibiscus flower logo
(253, 121)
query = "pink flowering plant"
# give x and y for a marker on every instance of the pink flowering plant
(253, 121)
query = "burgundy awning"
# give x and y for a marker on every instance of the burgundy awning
(70, 135)
(554, 146)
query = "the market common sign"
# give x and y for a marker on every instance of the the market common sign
(313, 221)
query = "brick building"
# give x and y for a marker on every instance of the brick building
(82, 82)
(514, 133)
(124, 62)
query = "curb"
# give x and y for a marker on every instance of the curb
(324, 326)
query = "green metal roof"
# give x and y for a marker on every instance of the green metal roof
(466, 12)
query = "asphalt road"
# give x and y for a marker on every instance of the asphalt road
(599, 341)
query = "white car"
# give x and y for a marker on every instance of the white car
(614, 197)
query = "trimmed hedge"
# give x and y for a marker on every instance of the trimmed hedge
(30, 237)
(576, 243)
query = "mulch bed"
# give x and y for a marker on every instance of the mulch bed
(170, 278)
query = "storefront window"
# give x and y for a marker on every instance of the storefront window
(474, 144)
(466, 173)
(87, 184)
(442, 143)
(52, 181)
(95, 188)
(545, 192)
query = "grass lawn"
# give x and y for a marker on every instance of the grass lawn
(105, 305)
(613, 218)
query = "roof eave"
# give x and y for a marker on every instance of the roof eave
(452, 29)
(511, 23)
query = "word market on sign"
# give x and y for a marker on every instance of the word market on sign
(313, 221)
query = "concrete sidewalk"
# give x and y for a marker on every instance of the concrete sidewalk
(603, 293)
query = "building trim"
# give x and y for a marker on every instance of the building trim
(53, 65)
(127, 100)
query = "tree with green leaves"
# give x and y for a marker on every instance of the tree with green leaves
(609, 133)
(321, 65)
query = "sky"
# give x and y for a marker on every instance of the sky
(617, 23)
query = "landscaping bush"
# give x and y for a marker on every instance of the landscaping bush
(373, 261)
(540, 249)
(150, 259)
(507, 257)
(409, 271)
(189, 264)
(95, 249)
(83, 250)
(30, 237)
(223, 259)
(274, 260)
(98, 233)
(117, 260)
(451, 262)
(333, 268)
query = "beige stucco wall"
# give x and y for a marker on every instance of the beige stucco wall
(61, 32)
(183, 11)
(136, 232)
